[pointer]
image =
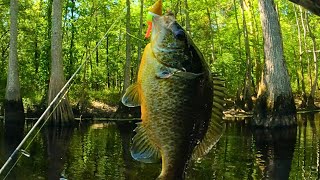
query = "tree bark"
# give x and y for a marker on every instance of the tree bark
(212, 57)
(140, 35)
(311, 5)
(13, 106)
(311, 97)
(256, 48)
(128, 50)
(188, 26)
(302, 16)
(71, 47)
(248, 78)
(239, 99)
(63, 115)
(275, 104)
(107, 62)
(303, 86)
(124, 111)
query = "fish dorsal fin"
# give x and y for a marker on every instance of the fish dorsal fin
(142, 148)
(131, 98)
(216, 126)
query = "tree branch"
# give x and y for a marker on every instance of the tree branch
(311, 5)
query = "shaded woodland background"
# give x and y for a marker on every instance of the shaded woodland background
(227, 32)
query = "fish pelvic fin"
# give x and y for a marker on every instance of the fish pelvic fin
(131, 98)
(216, 126)
(142, 148)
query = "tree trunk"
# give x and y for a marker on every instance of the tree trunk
(107, 62)
(36, 52)
(311, 104)
(303, 17)
(256, 48)
(188, 26)
(303, 86)
(63, 114)
(275, 104)
(71, 48)
(13, 106)
(212, 57)
(128, 50)
(124, 111)
(248, 105)
(239, 99)
(311, 5)
(140, 35)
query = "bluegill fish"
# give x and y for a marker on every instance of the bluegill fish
(181, 102)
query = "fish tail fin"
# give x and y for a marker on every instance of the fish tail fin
(216, 126)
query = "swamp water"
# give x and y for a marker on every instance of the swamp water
(100, 151)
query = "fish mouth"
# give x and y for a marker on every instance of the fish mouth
(166, 25)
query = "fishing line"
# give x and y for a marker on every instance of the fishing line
(55, 99)
(135, 37)
(33, 138)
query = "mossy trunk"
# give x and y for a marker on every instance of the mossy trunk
(13, 106)
(63, 114)
(14, 123)
(277, 113)
(13, 110)
(275, 104)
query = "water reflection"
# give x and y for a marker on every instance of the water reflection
(57, 142)
(307, 151)
(274, 151)
(101, 151)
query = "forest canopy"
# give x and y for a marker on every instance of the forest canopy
(219, 28)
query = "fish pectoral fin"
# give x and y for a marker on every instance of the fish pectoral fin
(188, 75)
(164, 72)
(131, 98)
(142, 148)
(216, 126)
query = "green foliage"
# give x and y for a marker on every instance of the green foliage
(216, 28)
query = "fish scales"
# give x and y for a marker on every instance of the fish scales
(175, 91)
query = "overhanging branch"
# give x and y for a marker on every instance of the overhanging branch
(311, 5)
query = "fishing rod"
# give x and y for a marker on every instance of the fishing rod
(24, 152)
(55, 99)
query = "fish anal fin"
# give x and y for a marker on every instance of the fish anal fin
(131, 98)
(216, 126)
(142, 148)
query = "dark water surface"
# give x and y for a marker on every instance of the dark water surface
(101, 151)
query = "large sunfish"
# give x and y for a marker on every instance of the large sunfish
(181, 102)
